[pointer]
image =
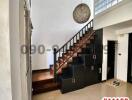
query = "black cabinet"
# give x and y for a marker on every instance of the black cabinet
(74, 82)
(67, 85)
(86, 69)
(78, 71)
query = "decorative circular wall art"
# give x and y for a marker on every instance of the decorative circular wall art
(81, 13)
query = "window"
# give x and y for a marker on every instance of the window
(102, 5)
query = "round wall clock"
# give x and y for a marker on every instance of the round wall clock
(81, 13)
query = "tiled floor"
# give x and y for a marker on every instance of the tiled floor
(94, 92)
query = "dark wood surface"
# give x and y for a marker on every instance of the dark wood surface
(43, 81)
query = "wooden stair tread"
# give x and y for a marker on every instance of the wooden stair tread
(40, 76)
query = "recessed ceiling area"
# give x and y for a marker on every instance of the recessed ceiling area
(122, 25)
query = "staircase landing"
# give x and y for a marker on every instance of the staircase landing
(41, 75)
(43, 81)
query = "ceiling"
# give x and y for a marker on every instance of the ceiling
(122, 25)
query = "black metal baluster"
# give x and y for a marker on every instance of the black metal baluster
(55, 78)
(63, 50)
(76, 37)
(87, 27)
(66, 47)
(79, 35)
(85, 30)
(59, 54)
(73, 41)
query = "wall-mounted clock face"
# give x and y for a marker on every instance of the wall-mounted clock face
(81, 13)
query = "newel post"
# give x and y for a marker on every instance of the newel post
(55, 64)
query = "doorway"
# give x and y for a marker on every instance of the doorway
(110, 59)
(129, 78)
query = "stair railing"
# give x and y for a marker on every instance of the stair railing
(58, 53)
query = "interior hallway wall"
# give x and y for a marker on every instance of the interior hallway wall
(11, 72)
(116, 14)
(53, 25)
(108, 34)
(5, 68)
(122, 58)
(18, 59)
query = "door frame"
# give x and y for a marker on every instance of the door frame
(114, 57)
(129, 58)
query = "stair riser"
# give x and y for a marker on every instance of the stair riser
(39, 83)
(38, 91)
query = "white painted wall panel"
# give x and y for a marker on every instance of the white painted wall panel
(108, 34)
(122, 60)
(114, 15)
(5, 68)
(53, 24)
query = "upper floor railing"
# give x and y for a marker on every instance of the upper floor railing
(102, 5)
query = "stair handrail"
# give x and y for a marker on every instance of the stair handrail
(86, 26)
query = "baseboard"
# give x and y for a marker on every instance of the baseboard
(40, 70)
(103, 81)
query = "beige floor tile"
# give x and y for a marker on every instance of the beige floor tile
(93, 92)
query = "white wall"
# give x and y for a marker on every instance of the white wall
(23, 63)
(53, 24)
(15, 50)
(5, 68)
(108, 34)
(121, 61)
(18, 60)
(11, 73)
(116, 14)
(116, 20)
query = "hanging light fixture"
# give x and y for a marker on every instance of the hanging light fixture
(81, 13)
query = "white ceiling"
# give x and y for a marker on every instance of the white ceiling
(122, 25)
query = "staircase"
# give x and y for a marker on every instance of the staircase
(43, 81)
(69, 70)
(70, 50)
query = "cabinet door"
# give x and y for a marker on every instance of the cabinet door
(79, 76)
(94, 70)
(88, 60)
(88, 76)
(98, 54)
(92, 75)
(67, 85)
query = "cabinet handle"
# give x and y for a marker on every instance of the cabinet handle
(92, 67)
(100, 70)
(94, 56)
(73, 80)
